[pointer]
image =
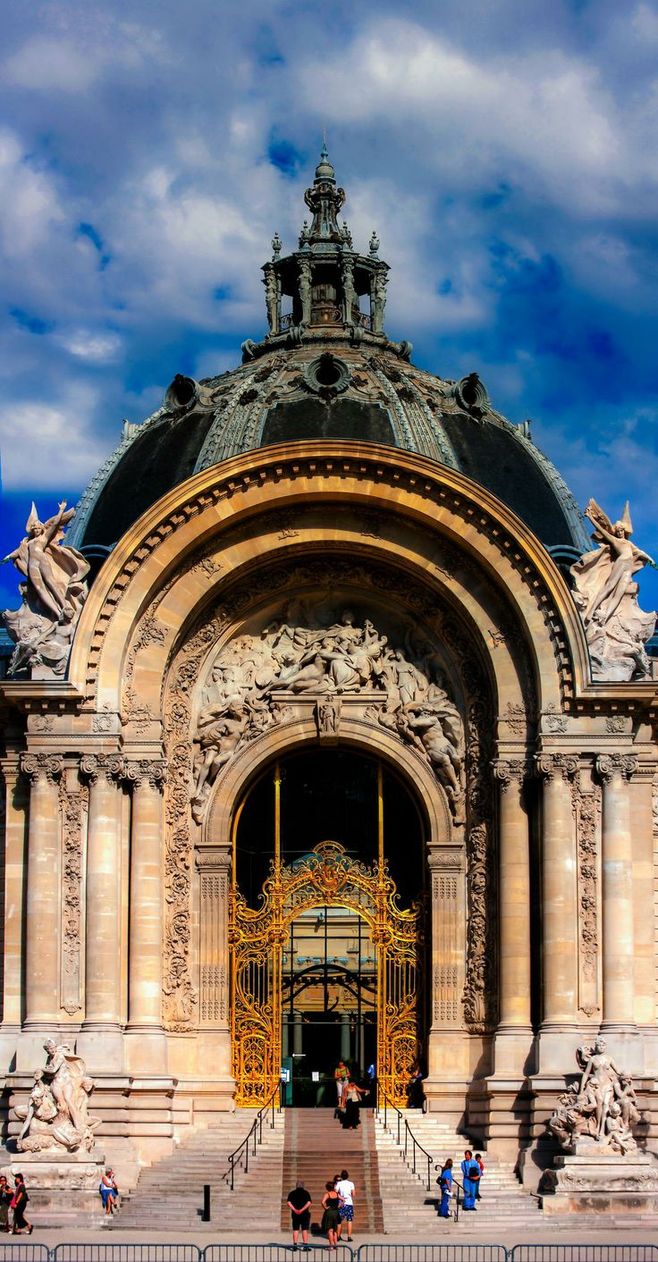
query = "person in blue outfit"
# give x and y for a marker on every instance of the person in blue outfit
(471, 1173)
(445, 1183)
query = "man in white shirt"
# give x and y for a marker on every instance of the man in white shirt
(345, 1189)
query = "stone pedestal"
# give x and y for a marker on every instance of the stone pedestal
(590, 1181)
(62, 1186)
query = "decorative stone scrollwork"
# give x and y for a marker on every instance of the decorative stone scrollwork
(556, 766)
(42, 767)
(609, 765)
(72, 805)
(95, 767)
(510, 771)
(152, 772)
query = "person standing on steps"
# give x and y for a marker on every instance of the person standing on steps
(471, 1173)
(5, 1202)
(330, 1205)
(18, 1204)
(478, 1158)
(299, 1204)
(445, 1183)
(345, 1189)
(342, 1076)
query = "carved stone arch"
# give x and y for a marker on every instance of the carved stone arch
(230, 788)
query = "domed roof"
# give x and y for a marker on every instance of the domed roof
(326, 369)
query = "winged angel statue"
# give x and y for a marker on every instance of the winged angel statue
(605, 592)
(53, 594)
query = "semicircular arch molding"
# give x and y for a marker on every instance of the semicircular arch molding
(429, 520)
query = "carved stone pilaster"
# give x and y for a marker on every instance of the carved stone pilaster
(446, 877)
(72, 808)
(214, 864)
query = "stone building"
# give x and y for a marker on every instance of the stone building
(329, 752)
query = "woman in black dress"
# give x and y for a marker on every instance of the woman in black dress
(350, 1118)
(330, 1204)
(18, 1203)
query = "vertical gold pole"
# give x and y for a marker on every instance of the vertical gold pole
(277, 816)
(234, 843)
(380, 818)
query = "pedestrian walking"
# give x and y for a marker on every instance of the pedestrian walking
(445, 1183)
(5, 1201)
(299, 1204)
(18, 1204)
(471, 1173)
(342, 1076)
(345, 1189)
(350, 1119)
(330, 1205)
(478, 1158)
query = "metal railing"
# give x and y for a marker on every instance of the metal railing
(240, 1156)
(90, 1251)
(406, 1139)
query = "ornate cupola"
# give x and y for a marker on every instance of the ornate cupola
(325, 287)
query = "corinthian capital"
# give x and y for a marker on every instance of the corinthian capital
(97, 767)
(510, 771)
(147, 771)
(556, 766)
(609, 765)
(41, 767)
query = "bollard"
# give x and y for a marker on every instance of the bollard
(205, 1217)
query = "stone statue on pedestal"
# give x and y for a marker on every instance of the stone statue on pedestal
(606, 595)
(53, 595)
(602, 1109)
(56, 1116)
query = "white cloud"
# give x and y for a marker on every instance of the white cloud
(49, 445)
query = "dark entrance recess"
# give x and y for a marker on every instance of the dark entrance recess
(331, 795)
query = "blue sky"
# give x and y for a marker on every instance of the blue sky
(506, 153)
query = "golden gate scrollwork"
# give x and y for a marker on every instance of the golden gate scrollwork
(326, 876)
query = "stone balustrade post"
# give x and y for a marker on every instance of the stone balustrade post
(146, 885)
(42, 949)
(615, 770)
(559, 892)
(103, 888)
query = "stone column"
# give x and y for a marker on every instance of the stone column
(615, 771)
(42, 948)
(15, 816)
(146, 1045)
(100, 1040)
(514, 1034)
(214, 865)
(559, 909)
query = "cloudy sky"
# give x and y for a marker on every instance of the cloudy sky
(506, 153)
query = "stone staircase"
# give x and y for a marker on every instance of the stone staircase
(317, 1148)
(410, 1210)
(170, 1192)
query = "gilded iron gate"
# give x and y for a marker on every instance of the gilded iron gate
(326, 876)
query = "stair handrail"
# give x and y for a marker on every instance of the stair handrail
(408, 1135)
(254, 1137)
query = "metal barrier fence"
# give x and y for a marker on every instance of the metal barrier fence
(89, 1251)
(584, 1252)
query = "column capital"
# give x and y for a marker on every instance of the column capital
(510, 771)
(151, 771)
(556, 766)
(609, 765)
(95, 767)
(42, 766)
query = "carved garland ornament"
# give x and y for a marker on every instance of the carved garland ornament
(72, 807)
